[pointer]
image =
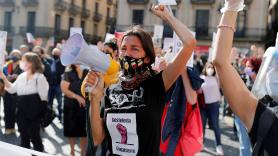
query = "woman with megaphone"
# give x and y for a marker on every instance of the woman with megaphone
(252, 109)
(129, 112)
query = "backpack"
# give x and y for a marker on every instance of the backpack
(266, 120)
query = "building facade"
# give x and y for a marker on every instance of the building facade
(53, 18)
(272, 23)
(201, 16)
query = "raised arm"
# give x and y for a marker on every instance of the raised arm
(240, 99)
(174, 69)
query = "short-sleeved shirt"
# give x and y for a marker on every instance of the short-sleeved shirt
(132, 117)
(270, 142)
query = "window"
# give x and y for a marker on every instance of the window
(8, 21)
(108, 12)
(96, 7)
(84, 3)
(138, 17)
(83, 26)
(57, 23)
(167, 31)
(95, 29)
(240, 24)
(31, 20)
(202, 22)
(71, 22)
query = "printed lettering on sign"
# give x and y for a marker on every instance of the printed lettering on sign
(123, 132)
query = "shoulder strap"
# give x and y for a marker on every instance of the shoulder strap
(265, 122)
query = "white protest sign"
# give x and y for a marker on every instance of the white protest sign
(158, 31)
(3, 41)
(9, 149)
(167, 2)
(157, 42)
(167, 43)
(30, 37)
(109, 37)
(75, 30)
(211, 50)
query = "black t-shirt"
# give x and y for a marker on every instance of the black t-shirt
(270, 142)
(132, 118)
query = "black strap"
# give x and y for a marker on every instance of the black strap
(265, 122)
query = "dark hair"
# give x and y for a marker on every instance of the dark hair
(145, 39)
(112, 44)
(256, 63)
(36, 62)
(204, 72)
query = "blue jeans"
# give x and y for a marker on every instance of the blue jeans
(55, 92)
(211, 113)
(245, 146)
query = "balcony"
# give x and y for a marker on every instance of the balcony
(74, 9)
(44, 32)
(10, 30)
(60, 5)
(85, 13)
(247, 34)
(7, 3)
(109, 2)
(97, 17)
(138, 1)
(110, 20)
(30, 3)
(202, 1)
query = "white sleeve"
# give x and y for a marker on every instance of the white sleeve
(43, 88)
(13, 87)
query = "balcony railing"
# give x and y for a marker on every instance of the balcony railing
(138, 1)
(38, 31)
(109, 2)
(60, 5)
(74, 9)
(85, 13)
(251, 34)
(202, 1)
(97, 17)
(110, 20)
(30, 3)
(10, 30)
(7, 3)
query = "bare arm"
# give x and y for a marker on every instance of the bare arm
(97, 123)
(174, 69)
(240, 99)
(191, 94)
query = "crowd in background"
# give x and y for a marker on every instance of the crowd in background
(64, 85)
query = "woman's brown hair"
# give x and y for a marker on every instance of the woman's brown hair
(204, 72)
(36, 62)
(145, 39)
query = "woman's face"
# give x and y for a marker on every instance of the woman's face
(108, 50)
(248, 64)
(25, 65)
(132, 47)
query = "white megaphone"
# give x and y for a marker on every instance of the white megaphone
(77, 51)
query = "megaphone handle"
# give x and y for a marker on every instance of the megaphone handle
(89, 89)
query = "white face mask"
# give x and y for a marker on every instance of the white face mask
(272, 84)
(23, 66)
(210, 71)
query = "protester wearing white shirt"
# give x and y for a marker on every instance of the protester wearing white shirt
(32, 88)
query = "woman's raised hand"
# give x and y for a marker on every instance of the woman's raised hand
(233, 5)
(161, 11)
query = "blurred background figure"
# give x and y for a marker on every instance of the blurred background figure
(251, 70)
(31, 88)
(74, 107)
(210, 111)
(57, 70)
(11, 70)
(23, 49)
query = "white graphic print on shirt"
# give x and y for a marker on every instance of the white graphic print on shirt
(123, 131)
(121, 100)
